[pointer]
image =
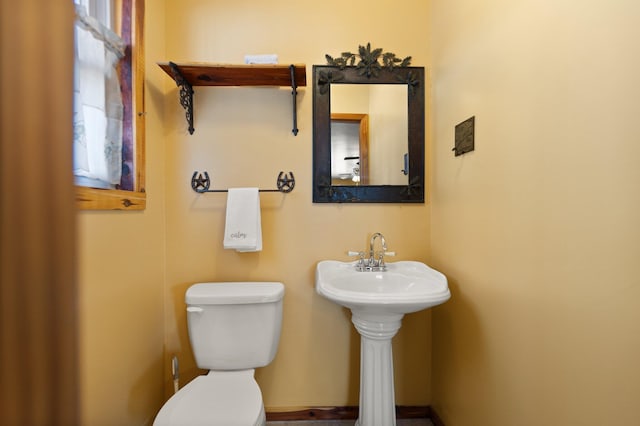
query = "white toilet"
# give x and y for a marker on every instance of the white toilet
(234, 328)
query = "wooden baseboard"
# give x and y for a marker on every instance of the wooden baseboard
(435, 419)
(351, 413)
(315, 413)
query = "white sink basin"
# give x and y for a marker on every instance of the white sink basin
(404, 287)
(378, 301)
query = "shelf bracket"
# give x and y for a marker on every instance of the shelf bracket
(294, 94)
(186, 94)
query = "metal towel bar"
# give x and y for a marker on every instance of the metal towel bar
(200, 183)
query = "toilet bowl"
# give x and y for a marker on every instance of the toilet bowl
(233, 328)
(221, 398)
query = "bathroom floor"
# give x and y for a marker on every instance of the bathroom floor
(402, 422)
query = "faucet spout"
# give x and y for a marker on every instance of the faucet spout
(372, 253)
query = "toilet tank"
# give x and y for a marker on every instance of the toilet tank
(234, 325)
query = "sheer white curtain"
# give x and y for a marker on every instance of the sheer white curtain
(98, 109)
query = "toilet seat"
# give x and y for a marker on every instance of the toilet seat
(221, 398)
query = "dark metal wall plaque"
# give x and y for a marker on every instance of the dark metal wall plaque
(465, 133)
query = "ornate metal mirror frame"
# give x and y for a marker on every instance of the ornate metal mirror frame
(368, 70)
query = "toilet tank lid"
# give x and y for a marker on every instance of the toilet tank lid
(227, 293)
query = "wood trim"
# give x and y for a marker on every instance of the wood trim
(139, 111)
(348, 413)
(437, 421)
(109, 199)
(315, 413)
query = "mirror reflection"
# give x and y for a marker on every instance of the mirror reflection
(369, 135)
(349, 149)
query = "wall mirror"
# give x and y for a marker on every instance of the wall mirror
(382, 160)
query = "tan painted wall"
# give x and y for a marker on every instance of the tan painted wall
(537, 229)
(121, 281)
(243, 138)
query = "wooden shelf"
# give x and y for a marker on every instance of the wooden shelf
(204, 74)
(189, 75)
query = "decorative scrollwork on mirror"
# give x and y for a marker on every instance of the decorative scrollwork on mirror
(368, 67)
(369, 63)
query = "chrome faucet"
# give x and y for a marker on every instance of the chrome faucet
(372, 254)
(375, 261)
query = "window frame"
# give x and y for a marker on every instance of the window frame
(88, 198)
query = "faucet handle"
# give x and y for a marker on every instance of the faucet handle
(360, 265)
(390, 253)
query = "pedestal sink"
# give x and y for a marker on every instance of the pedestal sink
(378, 301)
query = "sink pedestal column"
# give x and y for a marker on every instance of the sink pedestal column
(377, 397)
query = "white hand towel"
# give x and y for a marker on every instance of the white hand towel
(243, 230)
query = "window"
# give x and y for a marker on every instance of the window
(109, 105)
